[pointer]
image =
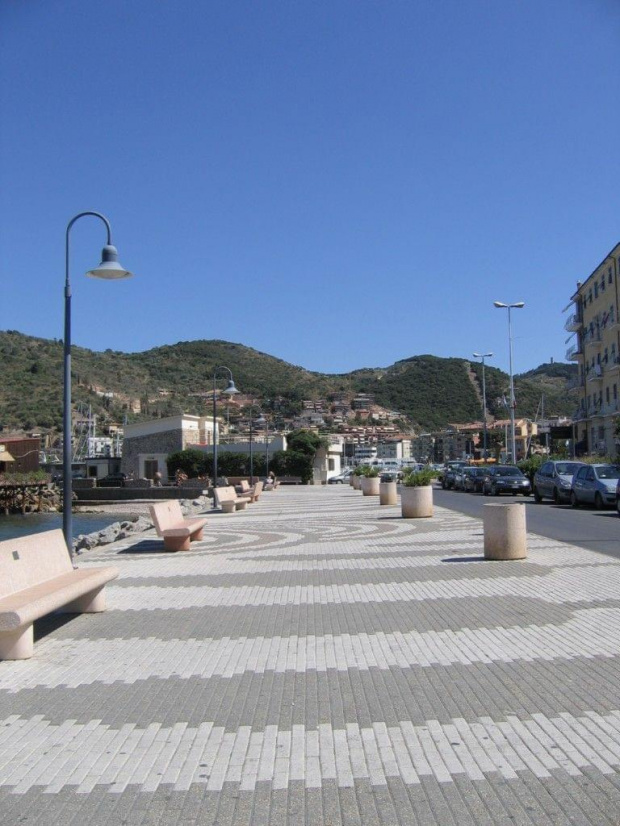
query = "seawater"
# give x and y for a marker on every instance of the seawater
(22, 524)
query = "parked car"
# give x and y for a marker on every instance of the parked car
(553, 480)
(505, 479)
(451, 468)
(595, 485)
(340, 479)
(473, 478)
(618, 497)
(112, 480)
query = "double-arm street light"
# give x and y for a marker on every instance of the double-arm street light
(231, 390)
(517, 306)
(482, 357)
(260, 421)
(109, 269)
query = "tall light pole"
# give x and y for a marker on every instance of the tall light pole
(260, 421)
(517, 306)
(230, 390)
(266, 449)
(108, 269)
(482, 357)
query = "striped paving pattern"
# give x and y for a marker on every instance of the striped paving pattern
(318, 659)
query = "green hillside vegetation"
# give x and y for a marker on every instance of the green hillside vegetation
(429, 391)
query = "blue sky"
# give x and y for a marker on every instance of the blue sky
(339, 184)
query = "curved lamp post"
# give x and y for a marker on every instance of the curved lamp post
(482, 357)
(108, 269)
(517, 306)
(230, 390)
(260, 421)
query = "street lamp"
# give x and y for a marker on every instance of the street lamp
(109, 269)
(517, 306)
(230, 390)
(482, 357)
(260, 421)
(266, 449)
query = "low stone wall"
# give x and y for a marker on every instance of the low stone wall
(128, 494)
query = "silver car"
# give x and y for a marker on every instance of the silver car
(553, 481)
(595, 485)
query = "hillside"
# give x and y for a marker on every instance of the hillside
(429, 390)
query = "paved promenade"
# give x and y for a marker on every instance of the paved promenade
(319, 660)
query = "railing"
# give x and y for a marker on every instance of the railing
(595, 372)
(573, 323)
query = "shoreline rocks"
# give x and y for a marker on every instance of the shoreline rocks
(135, 524)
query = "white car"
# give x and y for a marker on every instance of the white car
(340, 479)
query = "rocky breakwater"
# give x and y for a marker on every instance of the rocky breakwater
(134, 524)
(36, 497)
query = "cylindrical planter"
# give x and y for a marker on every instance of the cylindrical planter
(388, 494)
(352, 480)
(416, 502)
(370, 485)
(357, 483)
(505, 533)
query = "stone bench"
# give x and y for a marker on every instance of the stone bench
(36, 578)
(228, 500)
(176, 531)
(252, 491)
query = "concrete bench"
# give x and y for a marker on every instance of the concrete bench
(228, 500)
(173, 527)
(252, 491)
(36, 578)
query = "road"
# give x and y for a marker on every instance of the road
(589, 528)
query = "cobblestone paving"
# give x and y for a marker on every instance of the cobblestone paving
(319, 660)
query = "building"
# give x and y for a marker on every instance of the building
(595, 322)
(146, 445)
(19, 454)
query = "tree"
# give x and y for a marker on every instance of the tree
(305, 441)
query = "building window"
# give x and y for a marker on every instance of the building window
(609, 276)
(615, 392)
(603, 283)
(607, 395)
(596, 290)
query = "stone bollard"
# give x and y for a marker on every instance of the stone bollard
(505, 533)
(388, 494)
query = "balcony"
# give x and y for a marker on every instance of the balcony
(579, 414)
(595, 373)
(574, 353)
(573, 323)
(614, 365)
(593, 338)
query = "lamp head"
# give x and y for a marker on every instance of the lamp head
(109, 269)
(260, 421)
(231, 389)
(499, 304)
(519, 305)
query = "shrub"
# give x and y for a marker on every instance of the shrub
(418, 478)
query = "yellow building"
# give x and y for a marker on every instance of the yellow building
(595, 321)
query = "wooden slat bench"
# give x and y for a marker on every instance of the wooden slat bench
(173, 527)
(228, 500)
(36, 578)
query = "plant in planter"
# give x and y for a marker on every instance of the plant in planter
(416, 497)
(370, 480)
(357, 477)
